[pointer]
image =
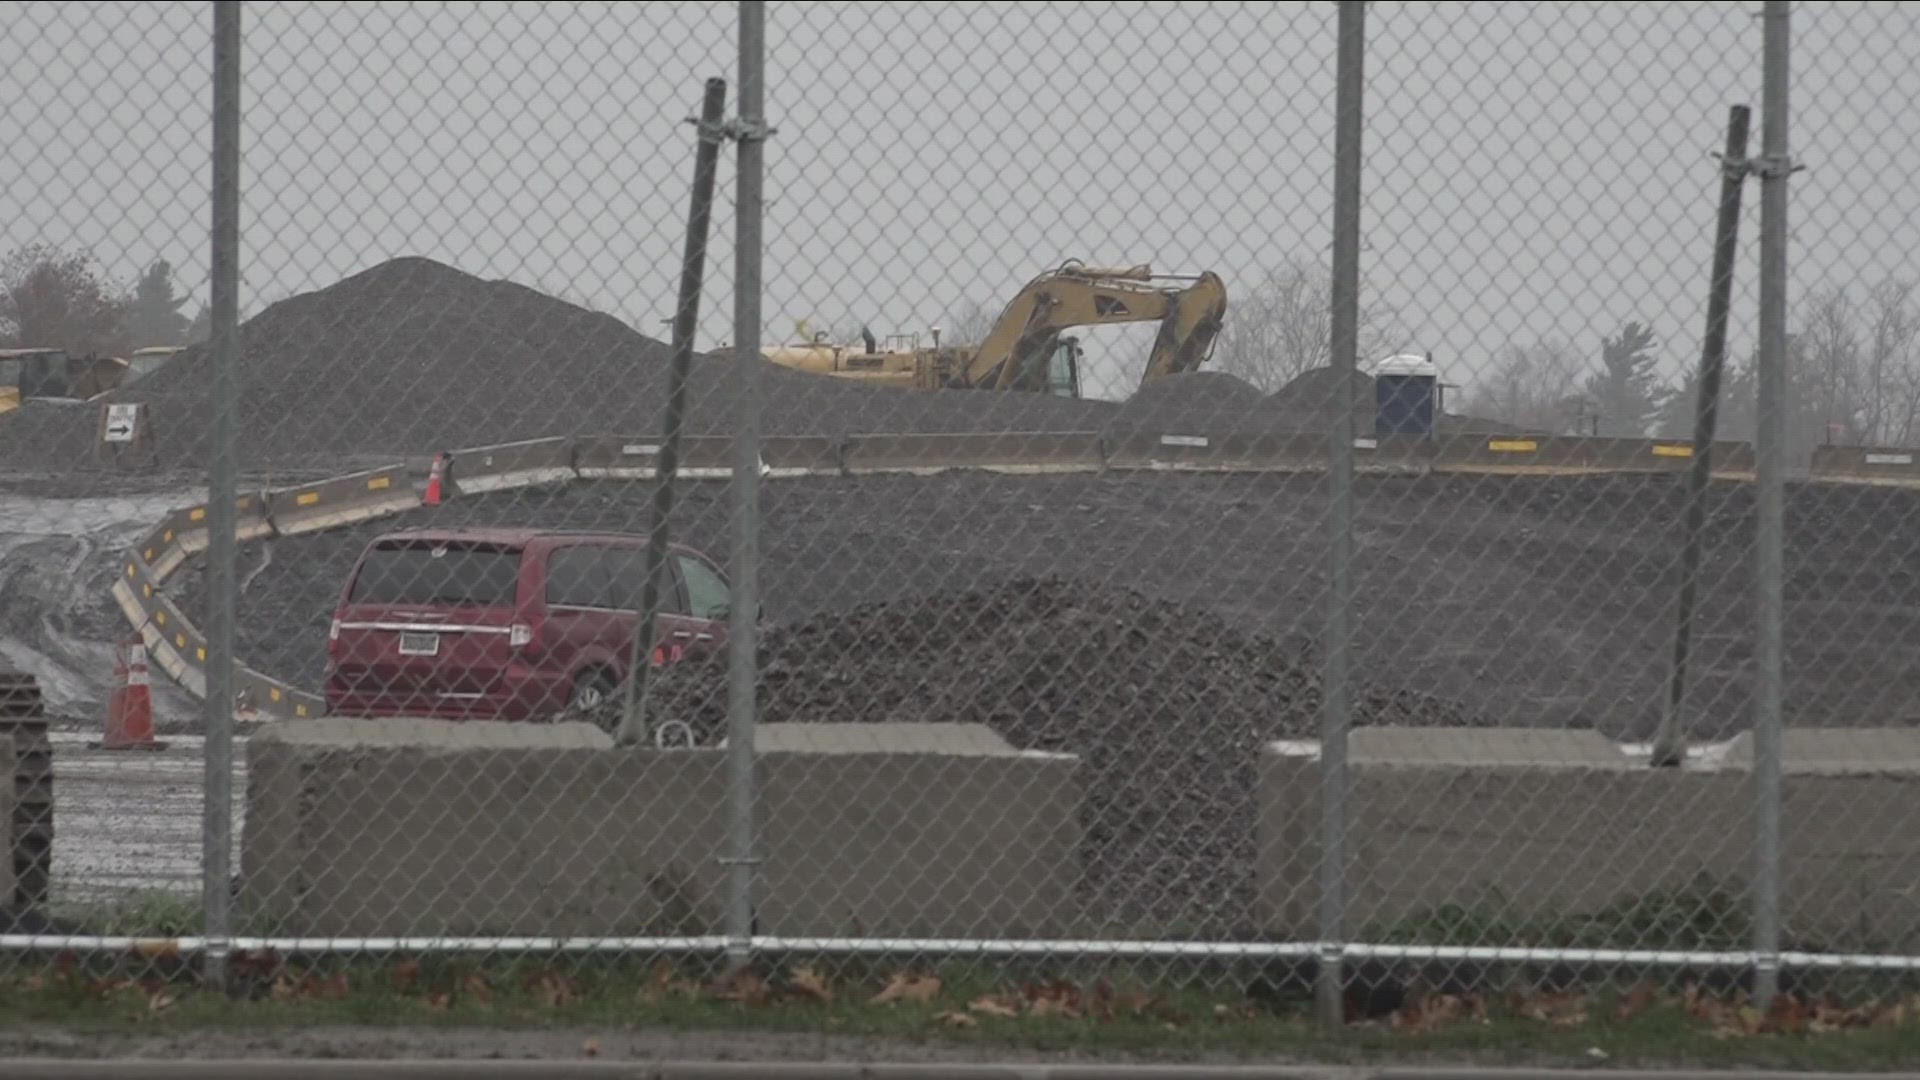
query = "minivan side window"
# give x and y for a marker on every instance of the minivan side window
(707, 594)
(629, 571)
(578, 576)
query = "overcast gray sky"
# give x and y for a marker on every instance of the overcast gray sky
(1533, 170)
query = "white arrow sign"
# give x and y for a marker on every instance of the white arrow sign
(121, 420)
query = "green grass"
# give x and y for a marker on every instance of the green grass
(1180, 1023)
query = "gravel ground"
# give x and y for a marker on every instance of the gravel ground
(1527, 600)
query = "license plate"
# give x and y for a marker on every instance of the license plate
(419, 644)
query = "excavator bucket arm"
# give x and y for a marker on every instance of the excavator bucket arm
(1075, 295)
(1188, 331)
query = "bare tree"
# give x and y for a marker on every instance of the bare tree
(62, 300)
(968, 325)
(1537, 387)
(1281, 327)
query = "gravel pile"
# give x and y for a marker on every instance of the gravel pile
(413, 356)
(1167, 706)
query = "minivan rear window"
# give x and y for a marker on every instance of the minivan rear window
(450, 573)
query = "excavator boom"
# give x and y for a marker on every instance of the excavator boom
(1018, 347)
(1025, 349)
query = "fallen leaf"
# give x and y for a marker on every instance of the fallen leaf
(159, 1003)
(958, 1020)
(284, 988)
(993, 1006)
(1056, 998)
(1596, 1053)
(440, 1001)
(1635, 1002)
(552, 989)
(332, 987)
(591, 1049)
(405, 975)
(744, 986)
(1787, 1013)
(1435, 1011)
(476, 987)
(1740, 1023)
(807, 983)
(909, 986)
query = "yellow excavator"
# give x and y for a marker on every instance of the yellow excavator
(1027, 348)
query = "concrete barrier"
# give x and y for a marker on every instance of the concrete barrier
(792, 455)
(9, 882)
(1222, 453)
(1889, 466)
(1006, 452)
(189, 524)
(510, 465)
(425, 827)
(1538, 825)
(1571, 455)
(257, 696)
(635, 457)
(159, 550)
(342, 501)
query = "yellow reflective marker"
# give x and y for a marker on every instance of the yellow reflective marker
(179, 641)
(159, 617)
(1662, 450)
(201, 653)
(167, 537)
(379, 483)
(306, 498)
(148, 590)
(273, 693)
(198, 513)
(1512, 446)
(130, 573)
(300, 710)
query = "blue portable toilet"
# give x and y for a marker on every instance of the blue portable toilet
(1406, 396)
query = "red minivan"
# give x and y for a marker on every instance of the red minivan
(508, 624)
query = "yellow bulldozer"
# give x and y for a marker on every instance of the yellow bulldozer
(1027, 348)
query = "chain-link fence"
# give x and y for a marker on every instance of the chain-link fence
(1083, 483)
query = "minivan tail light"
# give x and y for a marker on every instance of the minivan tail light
(520, 635)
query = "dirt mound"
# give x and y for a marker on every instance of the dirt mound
(412, 356)
(1195, 389)
(1168, 708)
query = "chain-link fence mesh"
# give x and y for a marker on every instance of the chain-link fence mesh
(1041, 505)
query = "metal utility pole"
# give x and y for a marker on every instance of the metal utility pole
(1336, 715)
(744, 614)
(1774, 167)
(1670, 742)
(216, 834)
(706, 164)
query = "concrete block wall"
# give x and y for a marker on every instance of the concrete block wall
(1559, 831)
(9, 798)
(412, 827)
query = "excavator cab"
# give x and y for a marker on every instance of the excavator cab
(1063, 369)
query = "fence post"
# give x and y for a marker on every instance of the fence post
(216, 833)
(1774, 168)
(1335, 716)
(743, 619)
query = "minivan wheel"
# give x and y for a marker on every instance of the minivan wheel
(591, 693)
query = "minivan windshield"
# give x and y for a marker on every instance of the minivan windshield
(449, 573)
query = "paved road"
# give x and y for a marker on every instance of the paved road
(590, 1070)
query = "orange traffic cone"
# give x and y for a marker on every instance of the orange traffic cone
(436, 481)
(130, 709)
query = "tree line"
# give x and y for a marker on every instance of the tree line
(54, 298)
